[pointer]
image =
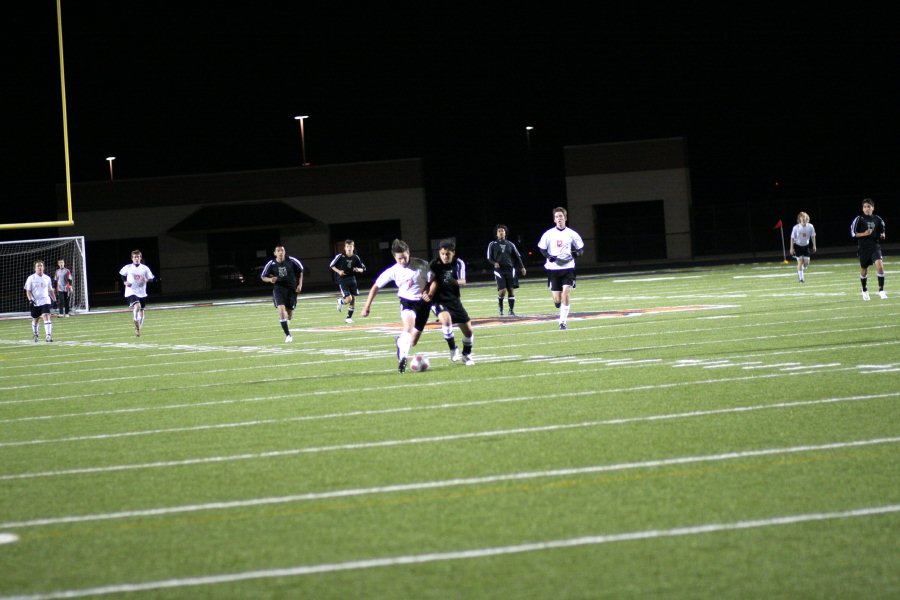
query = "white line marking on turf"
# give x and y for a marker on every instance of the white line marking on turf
(8, 538)
(430, 440)
(430, 557)
(447, 483)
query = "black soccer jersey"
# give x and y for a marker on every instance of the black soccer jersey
(872, 223)
(505, 254)
(447, 277)
(288, 272)
(347, 264)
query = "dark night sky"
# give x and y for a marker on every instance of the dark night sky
(196, 87)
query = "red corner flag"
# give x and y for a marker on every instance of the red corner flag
(777, 225)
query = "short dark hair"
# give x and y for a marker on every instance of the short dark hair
(868, 201)
(398, 246)
(448, 245)
(500, 226)
(351, 242)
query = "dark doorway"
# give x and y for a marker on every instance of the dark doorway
(630, 231)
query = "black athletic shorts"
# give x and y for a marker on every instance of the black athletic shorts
(286, 296)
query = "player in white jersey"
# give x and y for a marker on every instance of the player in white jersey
(40, 294)
(803, 243)
(410, 277)
(136, 275)
(560, 245)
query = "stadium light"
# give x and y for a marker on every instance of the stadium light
(109, 159)
(302, 118)
(528, 129)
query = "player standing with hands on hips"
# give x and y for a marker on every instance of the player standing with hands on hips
(136, 276)
(560, 245)
(803, 237)
(868, 229)
(285, 273)
(40, 294)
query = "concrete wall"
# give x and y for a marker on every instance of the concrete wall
(631, 172)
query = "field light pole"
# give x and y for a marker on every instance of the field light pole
(528, 129)
(302, 118)
(110, 159)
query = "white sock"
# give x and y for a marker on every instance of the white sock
(403, 344)
(563, 313)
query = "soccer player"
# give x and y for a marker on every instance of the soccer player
(803, 239)
(507, 261)
(448, 275)
(346, 266)
(868, 229)
(63, 286)
(414, 310)
(560, 245)
(136, 275)
(285, 273)
(40, 294)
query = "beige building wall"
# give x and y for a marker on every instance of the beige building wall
(627, 172)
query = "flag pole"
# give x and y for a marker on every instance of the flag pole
(780, 227)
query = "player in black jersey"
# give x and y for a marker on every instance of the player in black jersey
(285, 273)
(868, 230)
(346, 267)
(447, 275)
(507, 262)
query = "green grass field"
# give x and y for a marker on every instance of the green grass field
(716, 432)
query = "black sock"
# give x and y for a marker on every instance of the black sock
(350, 313)
(557, 304)
(512, 303)
(451, 342)
(500, 302)
(467, 349)
(284, 325)
(881, 283)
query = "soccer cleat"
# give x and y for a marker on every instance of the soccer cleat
(288, 339)
(882, 295)
(469, 360)
(500, 312)
(562, 326)
(866, 296)
(401, 365)
(348, 321)
(340, 304)
(455, 355)
(35, 338)
(49, 339)
(512, 314)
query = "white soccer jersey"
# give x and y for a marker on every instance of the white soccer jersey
(136, 278)
(407, 280)
(801, 234)
(561, 243)
(39, 286)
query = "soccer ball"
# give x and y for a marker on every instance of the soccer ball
(419, 363)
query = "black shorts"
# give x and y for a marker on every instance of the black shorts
(284, 296)
(559, 278)
(801, 250)
(506, 281)
(37, 311)
(420, 307)
(869, 256)
(132, 300)
(458, 314)
(348, 287)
